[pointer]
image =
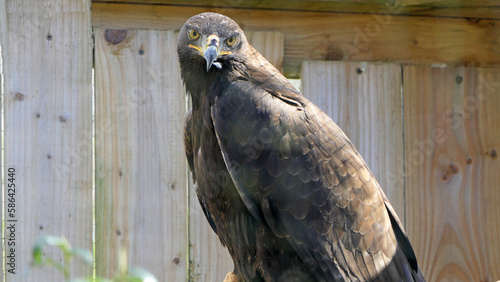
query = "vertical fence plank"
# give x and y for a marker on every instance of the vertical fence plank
(452, 142)
(47, 56)
(486, 178)
(141, 199)
(3, 43)
(209, 260)
(364, 99)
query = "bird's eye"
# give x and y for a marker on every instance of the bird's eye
(231, 40)
(193, 34)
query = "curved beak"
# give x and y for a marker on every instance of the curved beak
(211, 51)
(211, 54)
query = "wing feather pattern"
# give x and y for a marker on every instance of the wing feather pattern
(298, 173)
(188, 146)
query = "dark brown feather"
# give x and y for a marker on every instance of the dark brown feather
(285, 189)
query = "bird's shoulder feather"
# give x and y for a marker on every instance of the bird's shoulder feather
(298, 173)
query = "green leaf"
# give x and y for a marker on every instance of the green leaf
(59, 242)
(124, 273)
(38, 253)
(141, 274)
(90, 279)
(41, 242)
(85, 255)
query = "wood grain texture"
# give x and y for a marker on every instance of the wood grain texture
(47, 67)
(140, 165)
(364, 99)
(437, 8)
(3, 44)
(452, 140)
(209, 260)
(269, 43)
(327, 36)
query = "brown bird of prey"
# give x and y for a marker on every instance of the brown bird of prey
(279, 182)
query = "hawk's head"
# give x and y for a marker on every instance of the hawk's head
(210, 41)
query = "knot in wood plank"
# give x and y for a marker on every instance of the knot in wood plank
(115, 36)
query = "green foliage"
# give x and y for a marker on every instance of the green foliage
(124, 273)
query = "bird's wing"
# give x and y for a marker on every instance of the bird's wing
(188, 147)
(299, 174)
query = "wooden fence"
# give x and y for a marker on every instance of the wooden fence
(431, 135)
